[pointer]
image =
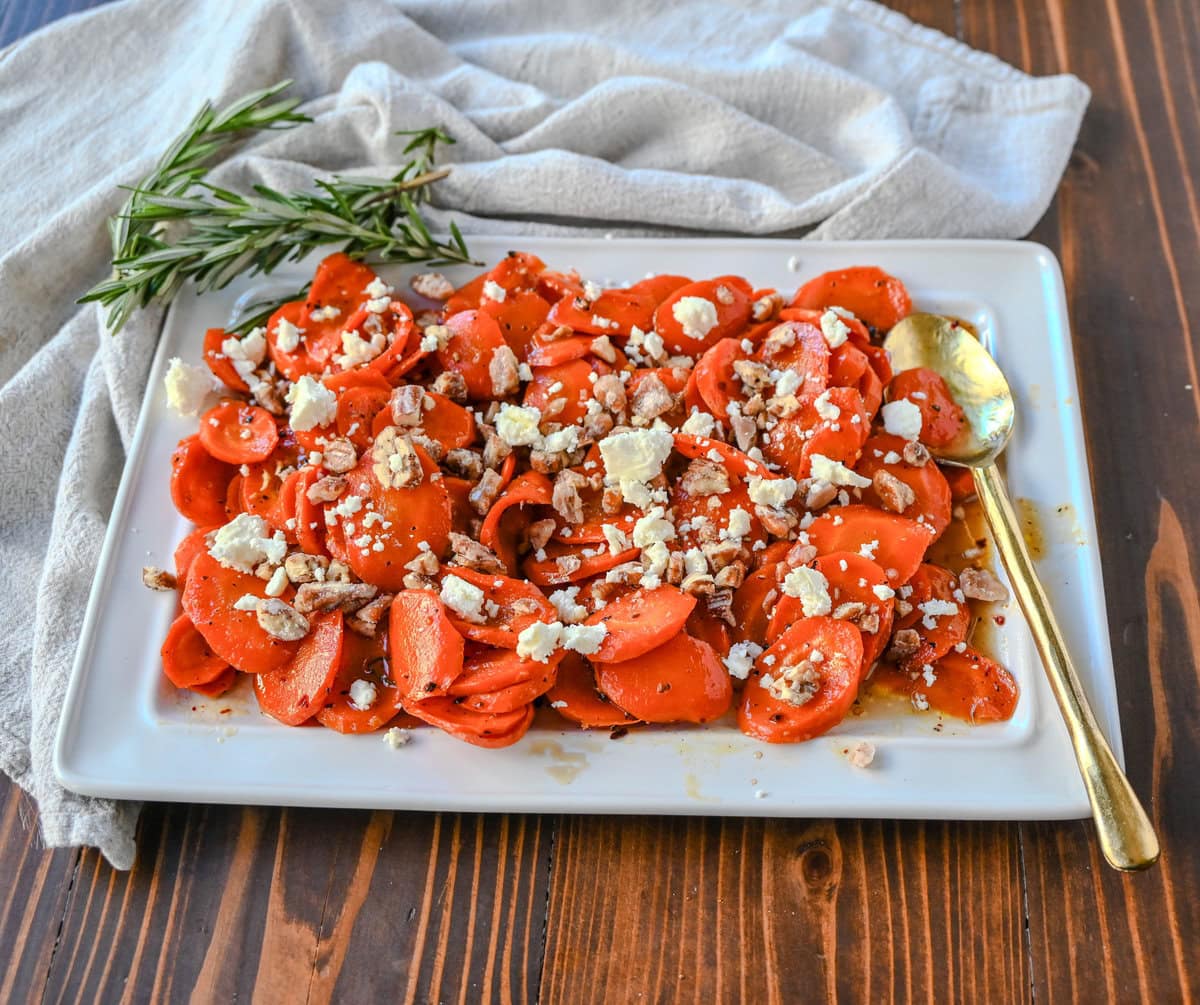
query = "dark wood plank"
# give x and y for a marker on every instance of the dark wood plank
(1126, 226)
(310, 905)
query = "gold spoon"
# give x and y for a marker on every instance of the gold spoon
(946, 346)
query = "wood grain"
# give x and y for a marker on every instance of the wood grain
(300, 905)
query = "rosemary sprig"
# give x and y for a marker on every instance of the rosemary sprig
(177, 226)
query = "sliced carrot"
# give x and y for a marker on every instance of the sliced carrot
(859, 335)
(939, 633)
(292, 363)
(702, 624)
(187, 550)
(511, 606)
(562, 392)
(571, 563)
(519, 315)
(797, 438)
(467, 297)
(801, 348)
(405, 518)
(449, 423)
(932, 502)
(753, 603)
(483, 729)
(310, 519)
(834, 652)
(498, 680)
(298, 690)
(338, 290)
(716, 382)
(691, 511)
(220, 364)
(575, 696)
(218, 685)
(734, 460)
(640, 621)
(234, 635)
(868, 292)
(365, 659)
(658, 288)
(614, 312)
(262, 485)
(427, 651)
(941, 417)
(729, 304)
(682, 680)
(238, 433)
(187, 659)
(234, 503)
(966, 685)
(961, 482)
(357, 409)
(852, 579)
(476, 336)
(503, 530)
(199, 482)
(894, 543)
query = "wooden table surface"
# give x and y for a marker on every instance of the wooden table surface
(303, 905)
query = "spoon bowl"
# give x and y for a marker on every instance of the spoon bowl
(976, 383)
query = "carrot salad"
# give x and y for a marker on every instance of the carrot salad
(655, 503)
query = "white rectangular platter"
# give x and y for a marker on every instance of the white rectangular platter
(126, 733)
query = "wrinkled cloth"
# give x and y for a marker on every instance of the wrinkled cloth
(835, 119)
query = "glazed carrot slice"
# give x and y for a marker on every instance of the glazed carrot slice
(575, 696)
(427, 652)
(966, 685)
(218, 685)
(699, 315)
(476, 336)
(262, 485)
(338, 289)
(293, 363)
(804, 684)
(941, 417)
(299, 689)
(238, 433)
(640, 621)
(234, 635)
(405, 519)
(614, 312)
(753, 603)
(734, 460)
(449, 423)
(511, 606)
(932, 502)
(220, 364)
(702, 624)
(519, 315)
(716, 382)
(187, 550)
(895, 544)
(658, 288)
(502, 529)
(868, 292)
(571, 563)
(933, 589)
(365, 659)
(199, 482)
(234, 503)
(796, 438)
(562, 392)
(859, 335)
(490, 668)
(689, 510)
(682, 680)
(483, 729)
(801, 348)
(853, 580)
(357, 410)
(186, 657)
(961, 482)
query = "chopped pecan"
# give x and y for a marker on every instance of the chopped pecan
(720, 603)
(676, 568)
(157, 579)
(394, 461)
(777, 522)
(894, 494)
(502, 368)
(471, 554)
(339, 456)
(597, 425)
(980, 584)
(721, 553)
(407, 400)
(424, 564)
(754, 406)
(745, 429)
(326, 489)
(868, 623)
(465, 463)
(525, 605)
(915, 454)
(540, 533)
(432, 285)
(698, 584)
(819, 494)
(495, 450)
(333, 596)
(566, 499)
(611, 501)
(732, 576)
(280, 620)
(766, 307)
(337, 572)
(434, 448)
(302, 568)
(602, 348)
(625, 574)
(610, 392)
(905, 643)
(549, 462)
(850, 611)
(269, 396)
(568, 564)
(484, 492)
(800, 554)
(754, 376)
(704, 478)
(452, 384)
(366, 619)
(651, 398)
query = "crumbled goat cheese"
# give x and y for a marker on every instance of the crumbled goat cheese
(357, 350)
(584, 639)
(773, 492)
(517, 425)
(826, 409)
(698, 424)
(313, 404)
(539, 640)
(246, 353)
(882, 591)
(246, 542)
(363, 694)
(741, 658)
(811, 588)
(652, 528)
(277, 583)
(902, 418)
(287, 336)
(836, 473)
(835, 330)
(494, 291)
(188, 386)
(463, 598)
(695, 315)
(397, 737)
(569, 611)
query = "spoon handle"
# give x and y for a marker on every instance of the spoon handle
(1126, 835)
